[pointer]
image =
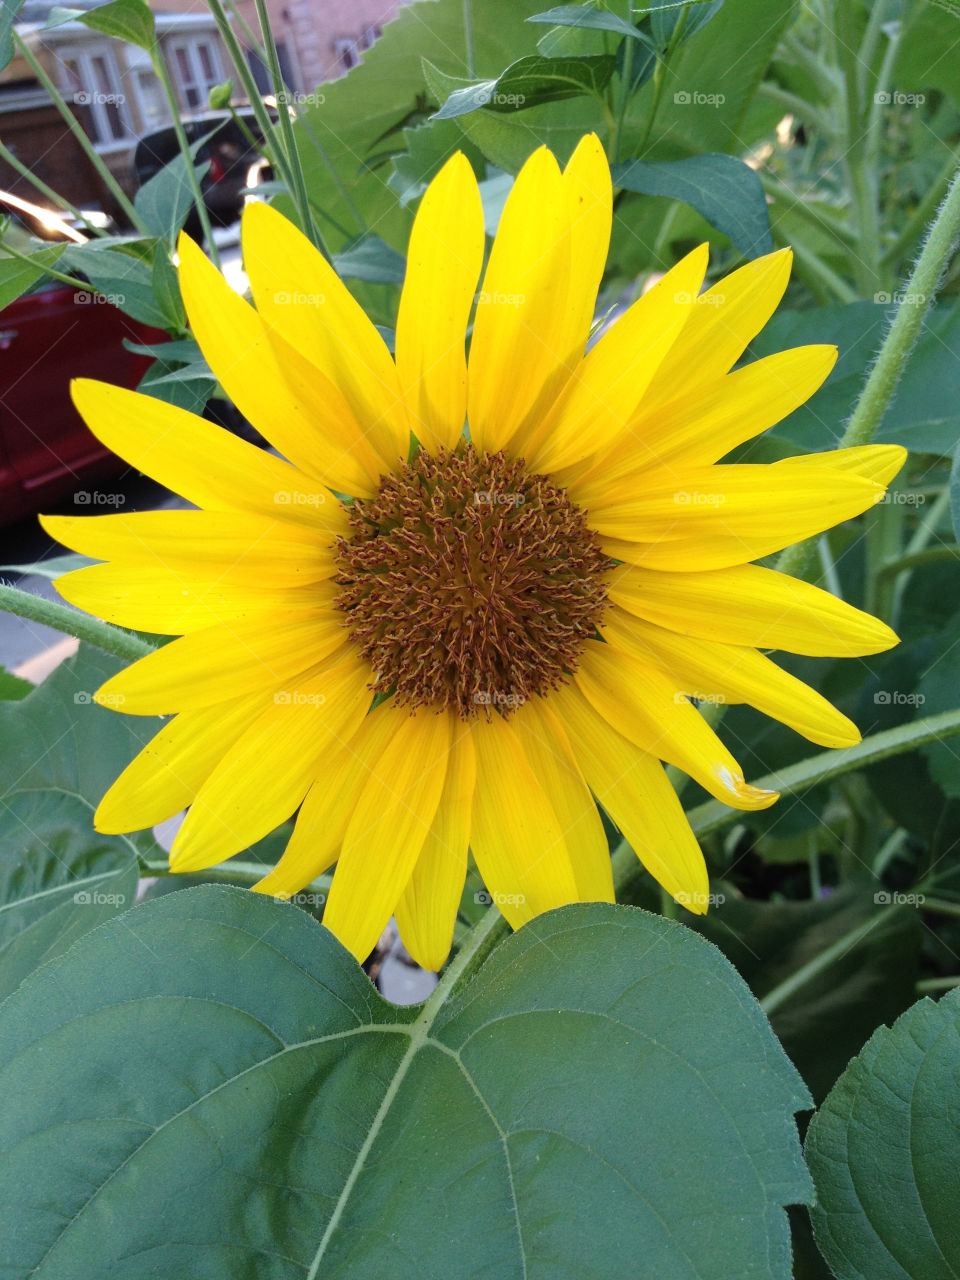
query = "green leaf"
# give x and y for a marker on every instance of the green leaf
(12, 687)
(129, 20)
(373, 260)
(50, 568)
(507, 139)
(17, 276)
(721, 188)
(216, 1078)
(883, 1153)
(530, 82)
(582, 15)
(60, 752)
(166, 291)
(165, 200)
(924, 414)
(123, 279)
(955, 492)
(8, 17)
(823, 1022)
(665, 16)
(188, 386)
(179, 350)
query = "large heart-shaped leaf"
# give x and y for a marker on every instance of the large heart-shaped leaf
(210, 1086)
(883, 1152)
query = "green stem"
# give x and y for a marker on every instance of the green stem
(940, 906)
(160, 69)
(54, 197)
(921, 215)
(813, 265)
(782, 992)
(815, 218)
(915, 302)
(75, 127)
(103, 635)
(927, 986)
(798, 107)
(932, 555)
(860, 179)
(468, 39)
(659, 80)
(298, 189)
(623, 98)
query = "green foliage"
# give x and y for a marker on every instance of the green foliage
(165, 200)
(531, 82)
(299, 1124)
(16, 276)
(883, 1152)
(721, 188)
(129, 20)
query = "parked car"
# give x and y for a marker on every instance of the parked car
(49, 335)
(228, 150)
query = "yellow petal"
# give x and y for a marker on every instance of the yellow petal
(387, 829)
(876, 462)
(171, 601)
(322, 821)
(204, 542)
(728, 316)
(726, 673)
(167, 774)
(287, 398)
(702, 427)
(264, 776)
(710, 517)
(554, 764)
(607, 387)
(205, 464)
(750, 605)
(247, 657)
(520, 353)
(516, 839)
(427, 910)
(642, 703)
(444, 258)
(304, 302)
(636, 793)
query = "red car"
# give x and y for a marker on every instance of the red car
(48, 336)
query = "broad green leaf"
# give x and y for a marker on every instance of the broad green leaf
(955, 492)
(189, 386)
(165, 200)
(427, 150)
(883, 1153)
(924, 414)
(530, 82)
(214, 1077)
(58, 880)
(16, 276)
(59, 752)
(722, 188)
(129, 20)
(123, 279)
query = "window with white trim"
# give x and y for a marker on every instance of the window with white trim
(92, 85)
(196, 68)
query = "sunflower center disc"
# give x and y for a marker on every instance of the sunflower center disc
(469, 583)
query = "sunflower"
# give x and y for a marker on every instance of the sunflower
(469, 599)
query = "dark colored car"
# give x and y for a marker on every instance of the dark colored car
(228, 150)
(47, 336)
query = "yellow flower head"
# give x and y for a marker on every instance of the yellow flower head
(487, 635)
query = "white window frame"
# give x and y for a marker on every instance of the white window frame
(190, 46)
(83, 56)
(345, 47)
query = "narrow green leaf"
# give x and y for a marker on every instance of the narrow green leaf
(215, 1077)
(166, 291)
(165, 200)
(51, 567)
(581, 15)
(9, 11)
(372, 260)
(883, 1153)
(955, 493)
(721, 188)
(16, 276)
(530, 82)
